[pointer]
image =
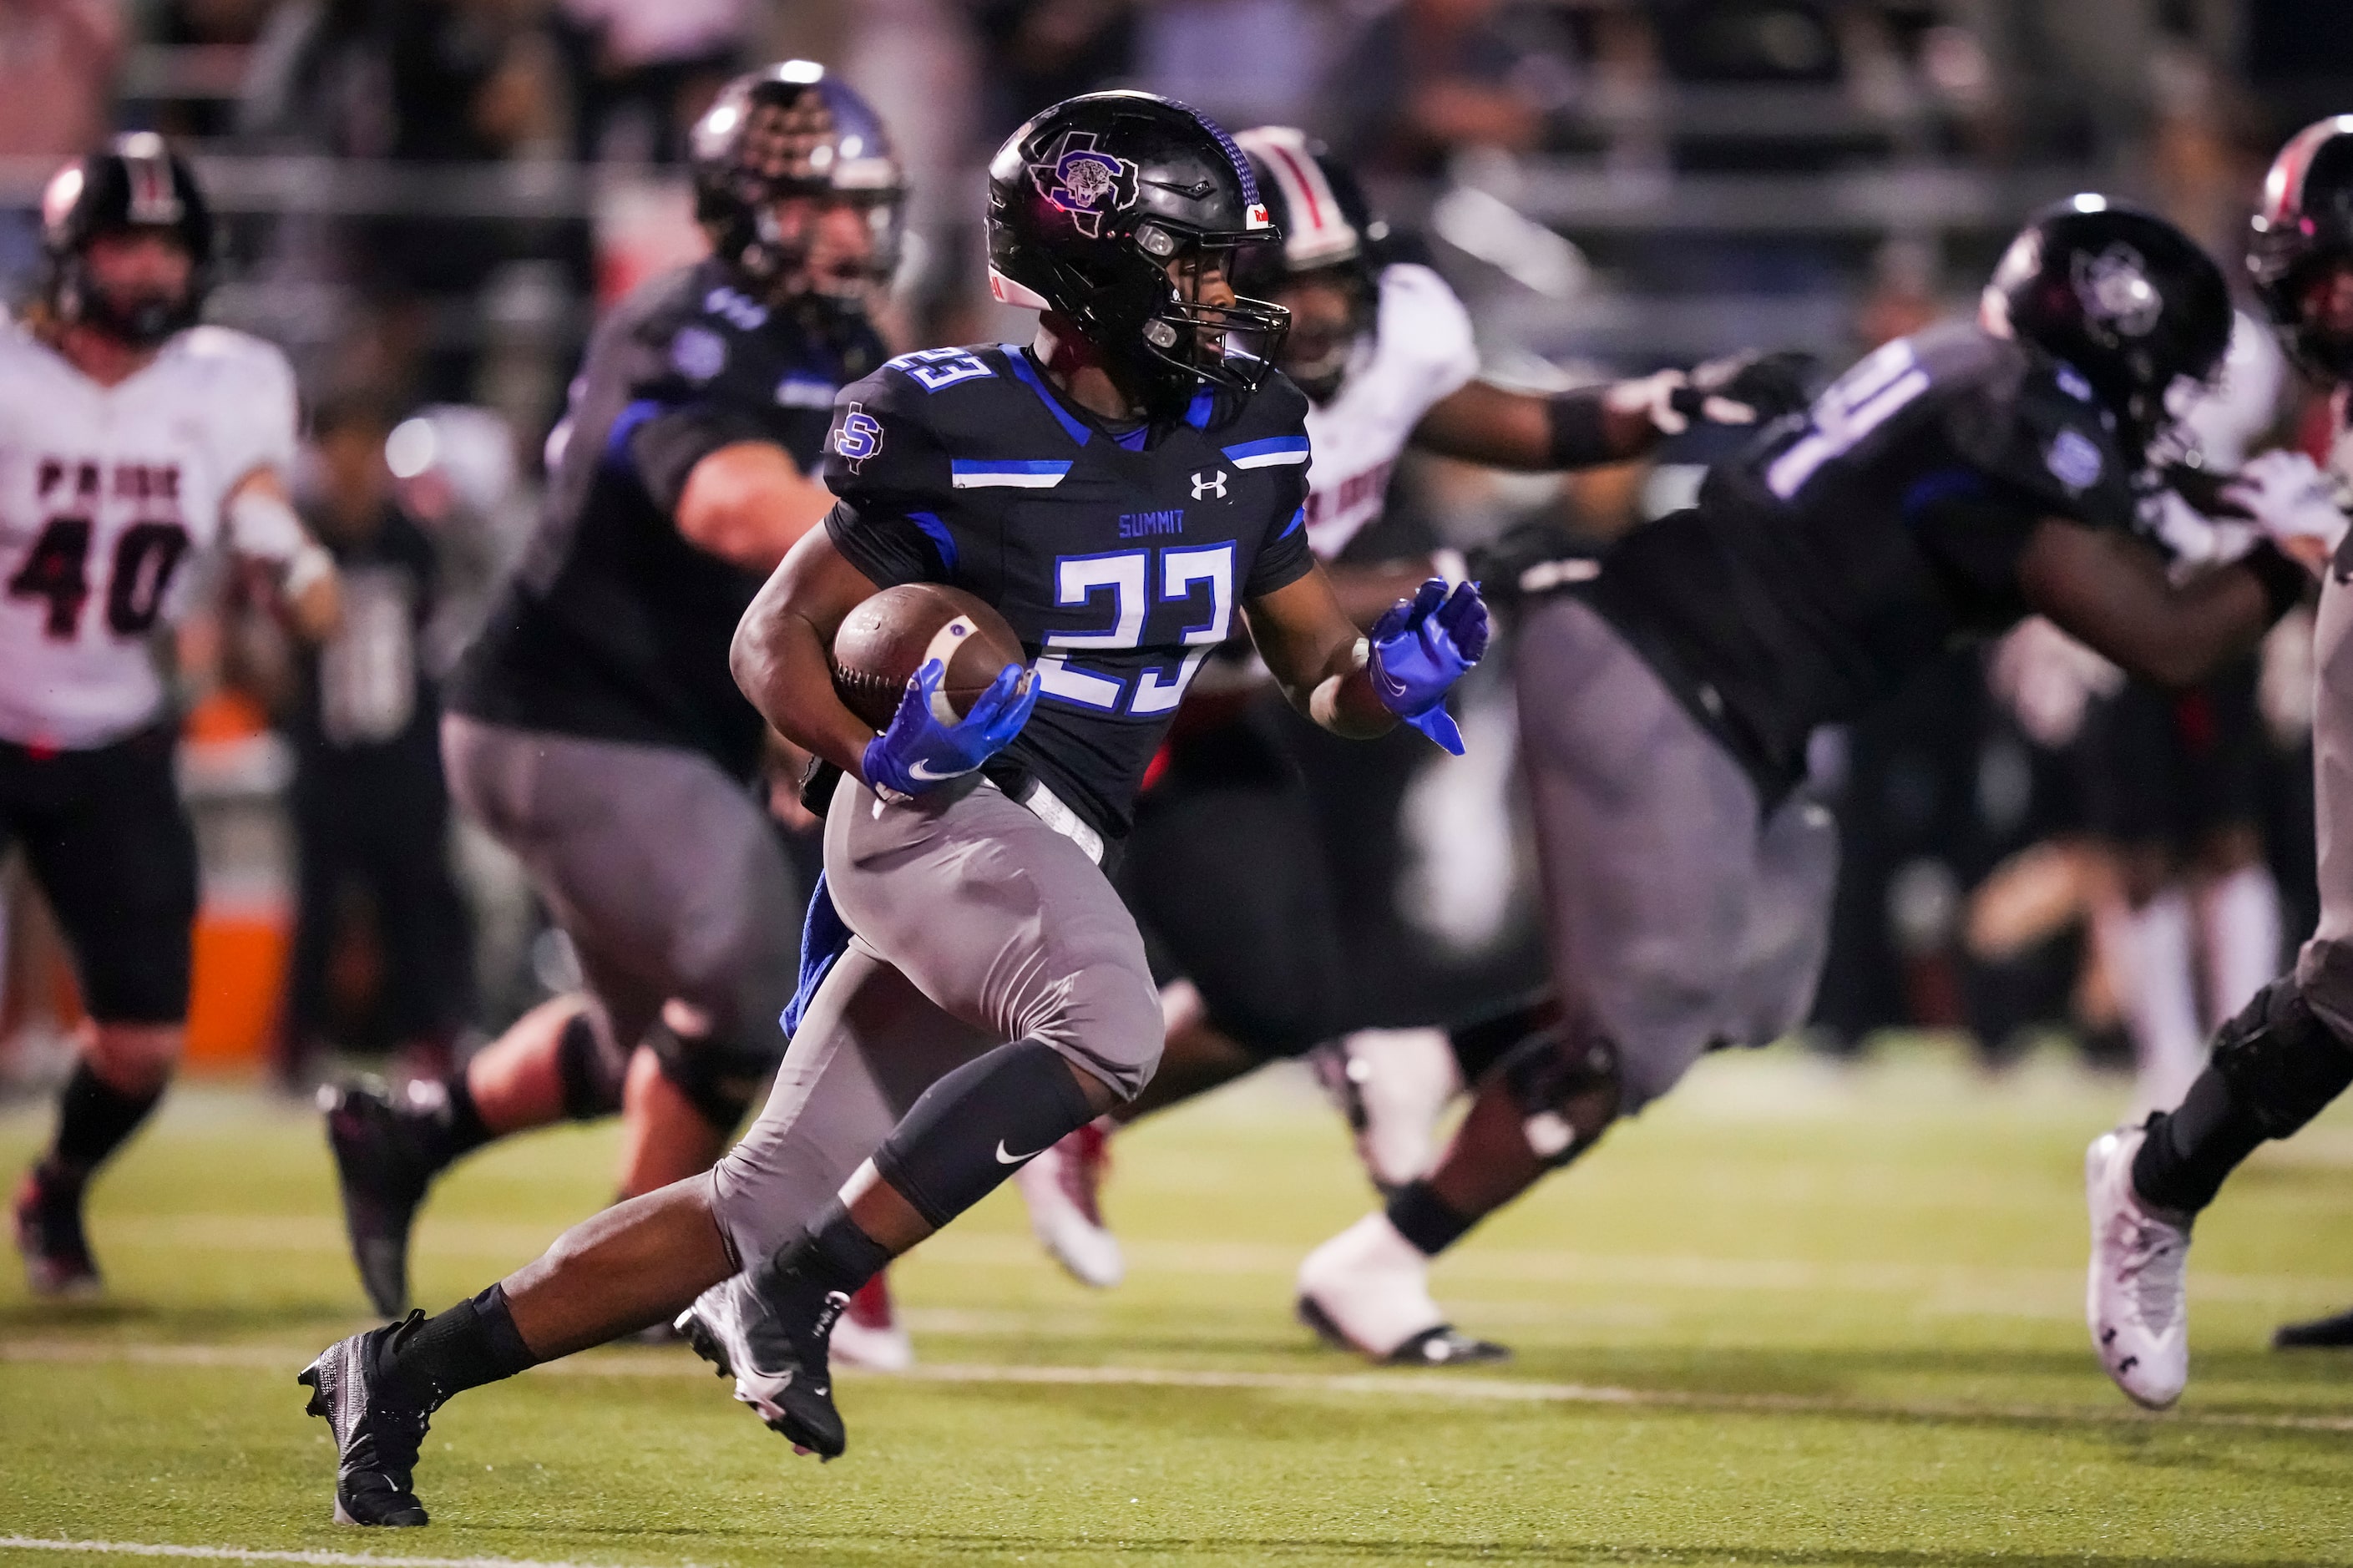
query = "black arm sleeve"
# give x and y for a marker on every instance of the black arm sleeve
(1580, 435)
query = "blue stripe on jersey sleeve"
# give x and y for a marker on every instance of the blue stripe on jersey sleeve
(1018, 363)
(929, 521)
(1940, 484)
(973, 474)
(1298, 519)
(624, 425)
(1273, 451)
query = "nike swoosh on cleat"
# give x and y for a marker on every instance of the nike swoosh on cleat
(1005, 1159)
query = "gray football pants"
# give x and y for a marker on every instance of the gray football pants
(1679, 916)
(664, 871)
(977, 924)
(2324, 970)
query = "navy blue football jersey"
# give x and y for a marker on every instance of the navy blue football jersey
(1844, 549)
(614, 626)
(1119, 558)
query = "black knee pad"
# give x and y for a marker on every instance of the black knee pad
(718, 1080)
(1566, 1091)
(2281, 1060)
(1479, 1046)
(591, 1076)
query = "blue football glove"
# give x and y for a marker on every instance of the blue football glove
(1421, 647)
(918, 752)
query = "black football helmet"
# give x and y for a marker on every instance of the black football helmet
(793, 129)
(136, 183)
(2306, 221)
(1329, 230)
(1088, 205)
(2120, 295)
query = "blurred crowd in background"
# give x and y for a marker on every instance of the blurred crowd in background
(428, 201)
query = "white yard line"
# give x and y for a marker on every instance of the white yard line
(246, 1554)
(1399, 1385)
(1514, 1265)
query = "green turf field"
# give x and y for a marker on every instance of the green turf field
(1790, 1317)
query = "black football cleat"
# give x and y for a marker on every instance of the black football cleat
(376, 1433)
(1447, 1345)
(48, 1233)
(777, 1358)
(383, 1179)
(2321, 1334)
(1443, 1345)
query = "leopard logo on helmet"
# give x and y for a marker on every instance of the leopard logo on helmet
(1083, 181)
(2116, 293)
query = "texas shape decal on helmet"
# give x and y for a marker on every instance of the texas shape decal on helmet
(1084, 183)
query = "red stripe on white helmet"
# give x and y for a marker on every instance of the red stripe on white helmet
(1318, 231)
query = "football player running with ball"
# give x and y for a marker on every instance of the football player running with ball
(1943, 489)
(133, 442)
(1217, 872)
(1118, 490)
(2290, 1051)
(593, 727)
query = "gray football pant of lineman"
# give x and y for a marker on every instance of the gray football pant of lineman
(1679, 915)
(663, 870)
(2324, 970)
(977, 925)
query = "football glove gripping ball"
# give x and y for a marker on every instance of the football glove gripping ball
(1420, 647)
(921, 751)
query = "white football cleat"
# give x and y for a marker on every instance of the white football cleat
(868, 1333)
(1392, 1085)
(1062, 1186)
(1367, 1290)
(2135, 1300)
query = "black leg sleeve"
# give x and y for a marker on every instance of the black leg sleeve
(979, 1124)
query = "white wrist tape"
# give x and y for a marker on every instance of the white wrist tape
(1324, 702)
(262, 527)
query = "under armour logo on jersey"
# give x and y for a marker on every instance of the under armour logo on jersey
(1084, 183)
(858, 437)
(1210, 485)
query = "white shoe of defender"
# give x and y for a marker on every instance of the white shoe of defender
(1367, 1290)
(868, 1333)
(1062, 1187)
(2135, 1300)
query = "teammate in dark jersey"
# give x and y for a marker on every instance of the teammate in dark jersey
(1944, 487)
(1244, 922)
(593, 726)
(2276, 1066)
(1118, 492)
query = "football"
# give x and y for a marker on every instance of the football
(887, 639)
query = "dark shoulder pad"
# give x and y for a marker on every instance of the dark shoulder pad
(885, 442)
(2034, 425)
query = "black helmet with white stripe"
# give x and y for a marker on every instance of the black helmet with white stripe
(2305, 227)
(1329, 232)
(136, 183)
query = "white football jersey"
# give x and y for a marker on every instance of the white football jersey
(1420, 352)
(108, 495)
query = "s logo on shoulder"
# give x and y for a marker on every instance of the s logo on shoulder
(2075, 462)
(858, 437)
